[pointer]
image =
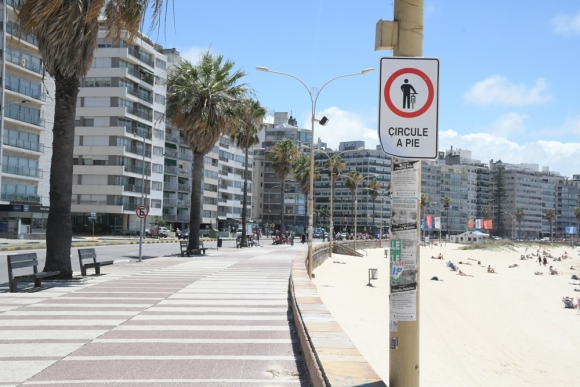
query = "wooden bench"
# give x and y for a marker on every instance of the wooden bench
(183, 246)
(20, 261)
(91, 254)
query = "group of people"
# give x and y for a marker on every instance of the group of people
(287, 237)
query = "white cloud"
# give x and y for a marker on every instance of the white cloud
(193, 54)
(557, 155)
(508, 124)
(566, 24)
(342, 126)
(498, 90)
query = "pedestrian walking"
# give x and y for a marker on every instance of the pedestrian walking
(303, 238)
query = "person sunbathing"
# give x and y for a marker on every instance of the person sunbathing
(569, 302)
(465, 263)
(514, 265)
(538, 273)
(463, 274)
(491, 270)
(553, 272)
(440, 256)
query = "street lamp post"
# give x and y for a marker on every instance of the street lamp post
(513, 222)
(314, 94)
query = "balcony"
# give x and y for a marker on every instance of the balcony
(18, 88)
(21, 198)
(171, 170)
(136, 188)
(14, 30)
(181, 172)
(169, 185)
(134, 129)
(130, 206)
(186, 157)
(173, 138)
(137, 150)
(170, 217)
(184, 203)
(183, 218)
(141, 75)
(139, 93)
(22, 171)
(143, 57)
(22, 144)
(184, 187)
(169, 202)
(139, 113)
(170, 153)
(136, 169)
(19, 115)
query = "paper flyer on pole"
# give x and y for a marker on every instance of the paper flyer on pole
(405, 178)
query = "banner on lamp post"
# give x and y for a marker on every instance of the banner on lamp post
(438, 223)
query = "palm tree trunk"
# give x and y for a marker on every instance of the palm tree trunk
(374, 218)
(59, 226)
(244, 241)
(195, 212)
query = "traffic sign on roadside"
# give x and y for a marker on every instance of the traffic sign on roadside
(408, 107)
(142, 211)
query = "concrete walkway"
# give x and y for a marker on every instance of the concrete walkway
(218, 320)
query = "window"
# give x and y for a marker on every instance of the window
(157, 151)
(155, 203)
(96, 82)
(159, 134)
(160, 63)
(99, 63)
(104, 44)
(160, 99)
(157, 168)
(157, 186)
(158, 115)
(159, 81)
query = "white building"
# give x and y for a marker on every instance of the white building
(27, 102)
(119, 134)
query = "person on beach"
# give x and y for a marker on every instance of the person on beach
(553, 272)
(463, 274)
(540, 260)
(491, 270)
(514, 265)
(545, 261)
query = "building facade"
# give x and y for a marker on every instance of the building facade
(27, 104)
(120, 135)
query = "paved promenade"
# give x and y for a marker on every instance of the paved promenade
(218, 320)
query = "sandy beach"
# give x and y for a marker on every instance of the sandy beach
(504, 329)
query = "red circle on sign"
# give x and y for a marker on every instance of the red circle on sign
(430, 90)
(142, 211)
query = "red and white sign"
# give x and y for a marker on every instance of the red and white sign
(408, 107)
(142, 211)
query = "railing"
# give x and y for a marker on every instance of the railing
(136, 188)
(22, 171)
(24, 198)
(184, 187)
(14, 30)
(223, 173)
(183, 218)
(139, 113)
(171, 138)
(141, 56)
(181, 140)
(172, 170)
(147, 78)
(24, 117)
(183, 202)
(169, 202)
(18, 143)
(181, 171)
(170, 153)
(224, 159)
(137, 150)
(136, 169)
(169, 185)
(222, 200)
(18, 88)
(141, 94)
(221, 144)
(138, 132)
(130, 206)
(170, 217)
(185, 157)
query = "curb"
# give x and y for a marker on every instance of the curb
(42, 246)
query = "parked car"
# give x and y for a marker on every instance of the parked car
(163, 232)
(545, 239)
(184, 234)
(496, 238)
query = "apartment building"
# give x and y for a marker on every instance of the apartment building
(27, 102)
(567, 201)
(267, 197)
(120, 134)
(370, 163)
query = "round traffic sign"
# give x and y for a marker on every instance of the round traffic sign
(428, 84)
(142, 211)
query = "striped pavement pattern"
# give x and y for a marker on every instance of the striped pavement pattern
(222, 320)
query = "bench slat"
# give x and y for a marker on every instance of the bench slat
(21, 264)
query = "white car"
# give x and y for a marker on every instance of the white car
(545, 239)
(239, 233)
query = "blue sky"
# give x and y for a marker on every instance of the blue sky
(509, 85)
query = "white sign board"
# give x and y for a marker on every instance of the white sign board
(409, 106)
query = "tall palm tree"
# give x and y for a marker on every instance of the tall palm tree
(447, 205)
(201, 100)
(301, 173)
(283, 155)
(551, 216)
(351, 182)
(67, 33)
(520, 215)
(423, 202)
(251, 115)
(335, 165)
(373, 190)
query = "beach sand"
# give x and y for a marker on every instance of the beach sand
(505, 329)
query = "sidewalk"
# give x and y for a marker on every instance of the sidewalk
(218, 320)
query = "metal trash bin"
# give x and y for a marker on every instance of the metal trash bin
(219, 242)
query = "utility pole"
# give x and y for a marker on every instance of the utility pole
(404, 36)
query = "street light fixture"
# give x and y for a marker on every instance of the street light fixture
(314, 94)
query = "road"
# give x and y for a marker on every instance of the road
(119, 253)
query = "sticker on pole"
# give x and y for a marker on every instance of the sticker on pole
(408, 107)
(142, 211)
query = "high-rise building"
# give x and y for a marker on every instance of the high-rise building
(27, 104)
(120, 134)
